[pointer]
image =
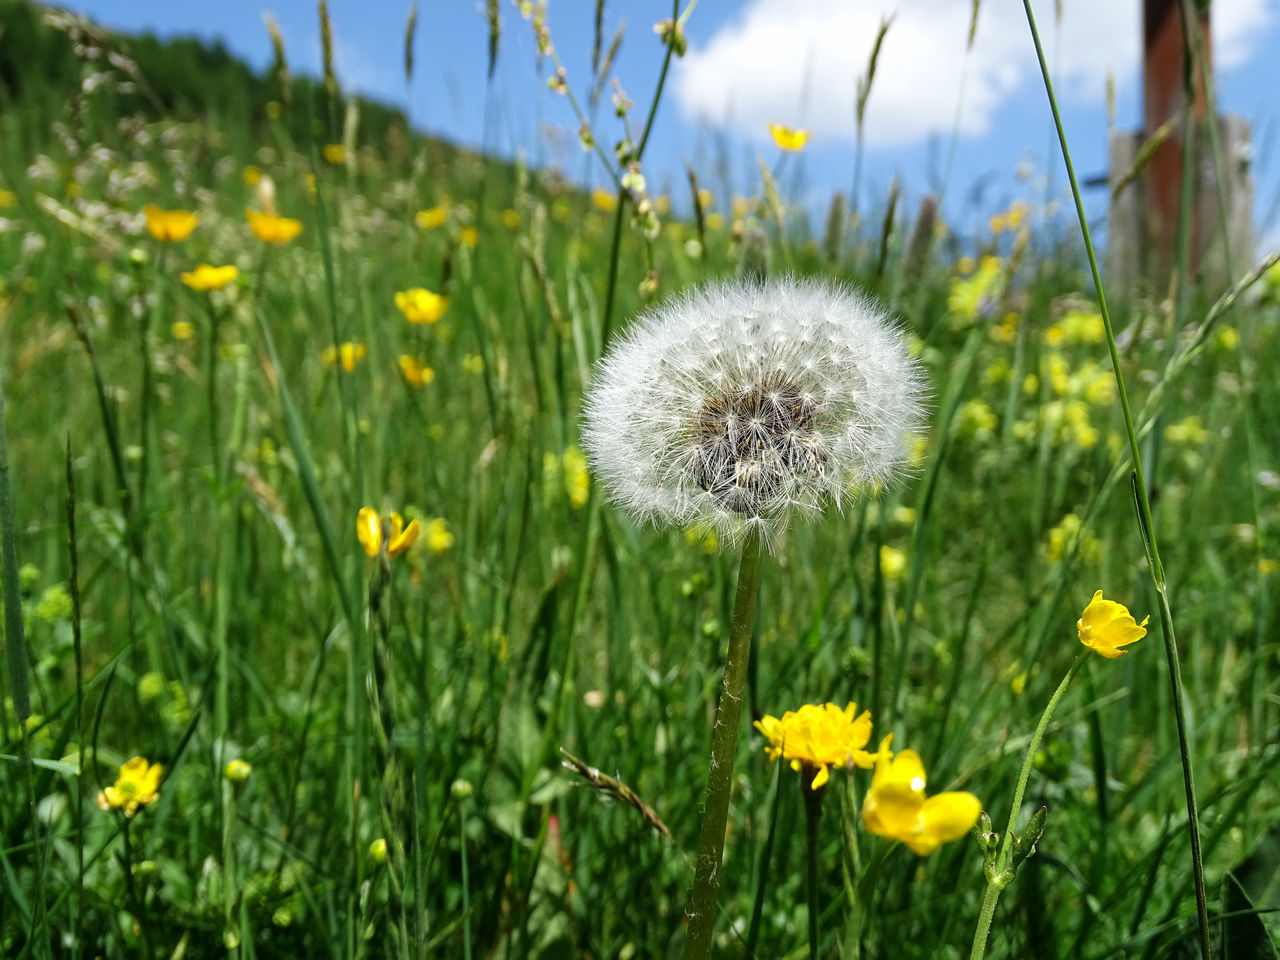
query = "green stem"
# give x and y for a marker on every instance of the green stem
(812, 812)
(1144, 516)
(999, 878)
(724, 749)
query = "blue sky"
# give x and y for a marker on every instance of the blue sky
(756, 61)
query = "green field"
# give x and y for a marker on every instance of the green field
(186, 469)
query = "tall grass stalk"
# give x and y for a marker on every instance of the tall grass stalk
(1146, 523)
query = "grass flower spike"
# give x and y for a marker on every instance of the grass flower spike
(169, 226)
(737, 404)
(421, 306)
(371, 531)
(271, 228)
(788, 138)
(819, 738)
(896, 805)
(137, 786)
(1105, 626)
(205, 277)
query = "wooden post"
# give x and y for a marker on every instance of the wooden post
(1142, 245)
(1164, 98)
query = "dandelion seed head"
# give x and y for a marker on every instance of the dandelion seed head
(737, 405)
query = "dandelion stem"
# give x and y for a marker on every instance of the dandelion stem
(724, 749)
(999, 878)
(1144, 517)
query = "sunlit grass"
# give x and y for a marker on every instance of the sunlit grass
(401, 717)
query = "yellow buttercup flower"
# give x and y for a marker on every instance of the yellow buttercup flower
(896, 805)
(137, 786)
(1105, 626)
(252, 176)
(603, 199)
(272, 228)
(415, 374)
(205, 277)
(468, 236)
(788, 138)
(169, 226)
(431, 218)
(420, 305)
(8, 198)
(334, 154)
(349, 354)
(370, 530)
(182, 330)
(439, 539)
(237, 770)
(511, 219)
(819, 737)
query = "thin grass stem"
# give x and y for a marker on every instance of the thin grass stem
(1144, 510)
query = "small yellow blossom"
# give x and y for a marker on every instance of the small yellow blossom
(819, 737)
(439, 539)
(511, 219)
(205, 277)
(893, 562)
(420, 305)
(977, 295)
(370, 530)
(1006, 331)
(431, 218)
(705, 198)
(237, 770)
(788, 138)
(137, 786)
(577, 479)
(1105, 626)
(252, 176)
(896, 805)
(378, 850)
(416, 374)
(182, 330)
(272, 228)
(349, 354)
(1189, 430)
(169, 226)
(1266, 566)
(8, 199)
(335, 154)
(603, 199)
(1227, 338)
(468, 236)
(1067, 536)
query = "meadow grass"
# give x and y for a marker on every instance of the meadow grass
(190, 587)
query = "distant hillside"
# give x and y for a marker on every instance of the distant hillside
(48, 56)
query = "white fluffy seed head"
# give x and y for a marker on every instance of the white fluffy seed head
(736, 404)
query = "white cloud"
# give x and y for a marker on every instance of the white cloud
(798, 61)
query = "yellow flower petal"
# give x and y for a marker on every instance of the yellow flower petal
(271, 228)
(369, 530)
(205, 277)
(1105, 626)
(788, 138)
(169, 226)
